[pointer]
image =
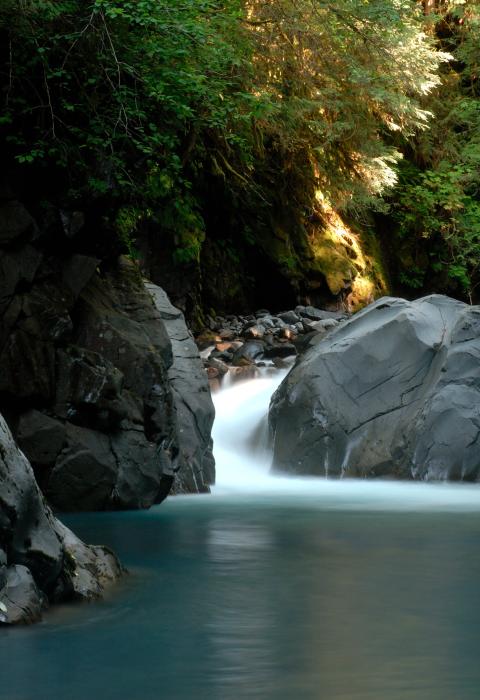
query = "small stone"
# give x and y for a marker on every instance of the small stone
(283, 350)
(238, 374)
(219, 365)
(249, 352)
(289, 317)
(253, 332)
(227, 334)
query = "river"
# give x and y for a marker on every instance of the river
(271, 588)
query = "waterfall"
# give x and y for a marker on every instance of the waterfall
(243, 459)
(240, 433)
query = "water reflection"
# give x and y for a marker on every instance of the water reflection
(230, 600)
(244, 619)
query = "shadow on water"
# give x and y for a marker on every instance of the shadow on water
(278, 589)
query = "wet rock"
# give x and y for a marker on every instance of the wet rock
(241, 374)
(286, 333)
(224, 356)
(207, 339)
(392, 392)
(88, 570)
(249, 352)
(289, 317)
(281, 350)
(35, 562)
(3, 568)
(320, 326)
(20, 600)
(281, 363)
(229, 346)
(212, 373)
(192, 402)
(227, 334)
(314, 314)
(254, 332)
(220, 366)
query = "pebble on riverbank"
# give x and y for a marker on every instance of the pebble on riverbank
(236, 348)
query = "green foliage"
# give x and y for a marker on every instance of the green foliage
(161, 107)
(437, 203)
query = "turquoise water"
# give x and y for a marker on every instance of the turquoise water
(365, 593)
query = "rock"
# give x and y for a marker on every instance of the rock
(77, 271)
(212, 373)
(20, 600)
(224, 356)
(283, 350)
(228, 346)
(268, 322)
(310, 312)
(89, 390)
(35, 561)
(15, 223)
(286, 333)
(241, 374)
(214, 385)
(40, 437)
(220, 366)
(227, 334)
(85, 473)
(3, 569)
(192, 401)
(207, 339)
(17, 271)
(120, 406)
(254, 332)
(27, 370)
(281, 363)
(249, 352)
(289, 317)
(89, 569)
(320, 326)
(72, 222)
(395, 391)
(325, 325)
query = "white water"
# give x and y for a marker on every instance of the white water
(243, 462)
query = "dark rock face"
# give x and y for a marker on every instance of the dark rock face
(191, 399)
(395, 391)
(91, 386)
(40, 559)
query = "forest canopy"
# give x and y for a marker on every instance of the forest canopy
(371, 103)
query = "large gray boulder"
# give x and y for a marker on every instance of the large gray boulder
(40, 559)
(100, 382)
(191, 398)
(393, 392)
